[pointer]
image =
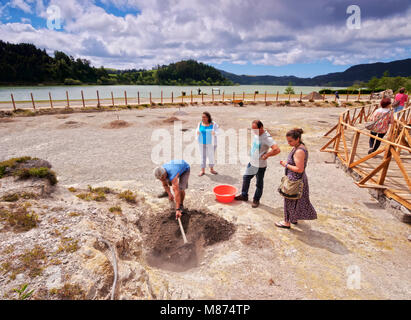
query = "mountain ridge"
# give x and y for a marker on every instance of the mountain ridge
(357, 73)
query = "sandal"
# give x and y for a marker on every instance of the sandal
(213, 172)
(281, 225)
(201, 174)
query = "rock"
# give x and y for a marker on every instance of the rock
(248, 227)
(394, 204)
(20, 277)
(409, 237)
(405, 210)
(54, 278)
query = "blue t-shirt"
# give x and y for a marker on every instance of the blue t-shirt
(205, 136)
(175, 167)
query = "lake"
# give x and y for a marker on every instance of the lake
(90, 92)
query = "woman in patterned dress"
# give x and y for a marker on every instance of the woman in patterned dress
(300, 209)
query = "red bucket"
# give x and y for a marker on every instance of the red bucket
(225, 193)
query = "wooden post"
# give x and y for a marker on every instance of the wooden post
(223, 96)
(151, 102)
(212, 94)
(354, 148)
(323, 96)
(138, 97)
(371, 95)
(191, 96)
(112, 98)
(347, 96)
(68, 101)
(98, 100)
(301, 96)
(312, 95)
(233, 96)
(172, 97)
(32, 100)
(182, 97)
(51, 101)
(276, 99)
(125, 97)
(254, 96)
(161, 96)
(202, 97)
(359, 95)
(14, 104)
(265, 96)
(243, 96)
(82, 98)
(289, 96)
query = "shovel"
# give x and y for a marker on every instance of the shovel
(182, 231)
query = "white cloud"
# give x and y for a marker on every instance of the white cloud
(237, 31)
(21, 4)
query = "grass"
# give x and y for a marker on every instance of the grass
(13, 197)
(68, 245)
(69, 292)
(32, 260)
(12, 164)
(19, 219)
(74, 214)
(41, 172)
(116, 210)
(95, 194)
(23, 292)
(128, 196)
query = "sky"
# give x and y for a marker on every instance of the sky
(255, 37)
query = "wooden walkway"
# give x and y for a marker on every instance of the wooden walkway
(389, 168)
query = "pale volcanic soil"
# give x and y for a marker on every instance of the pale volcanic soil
(354, 250)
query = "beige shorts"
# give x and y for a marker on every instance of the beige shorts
(183, 181)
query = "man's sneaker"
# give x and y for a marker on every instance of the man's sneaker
(255, 204)
(163, 195)
(241, 198)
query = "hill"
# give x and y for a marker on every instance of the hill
(361, 72)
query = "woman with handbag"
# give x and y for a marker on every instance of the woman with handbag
(294, 187)
(382, 118)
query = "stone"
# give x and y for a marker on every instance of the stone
(54, 277)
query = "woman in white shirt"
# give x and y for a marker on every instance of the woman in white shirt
(207, 131)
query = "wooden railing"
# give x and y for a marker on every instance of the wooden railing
(395, 147)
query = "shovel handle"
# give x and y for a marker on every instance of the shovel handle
(182, 231)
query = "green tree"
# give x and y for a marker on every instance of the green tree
(289, 89)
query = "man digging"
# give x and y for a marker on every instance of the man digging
(174, 173)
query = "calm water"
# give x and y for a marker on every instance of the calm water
(90, 92)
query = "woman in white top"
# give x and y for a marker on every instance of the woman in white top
(207, 131)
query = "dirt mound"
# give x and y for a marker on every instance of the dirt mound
(117, 124)
(70, 125)
(6, 120)
(313, 95)
(164, 242)
(171, 120)
(167, 121)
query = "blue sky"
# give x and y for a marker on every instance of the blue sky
(244, 37)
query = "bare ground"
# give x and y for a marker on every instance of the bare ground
(313, 260)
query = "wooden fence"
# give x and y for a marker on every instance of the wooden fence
(138, 100)
(388, 168)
